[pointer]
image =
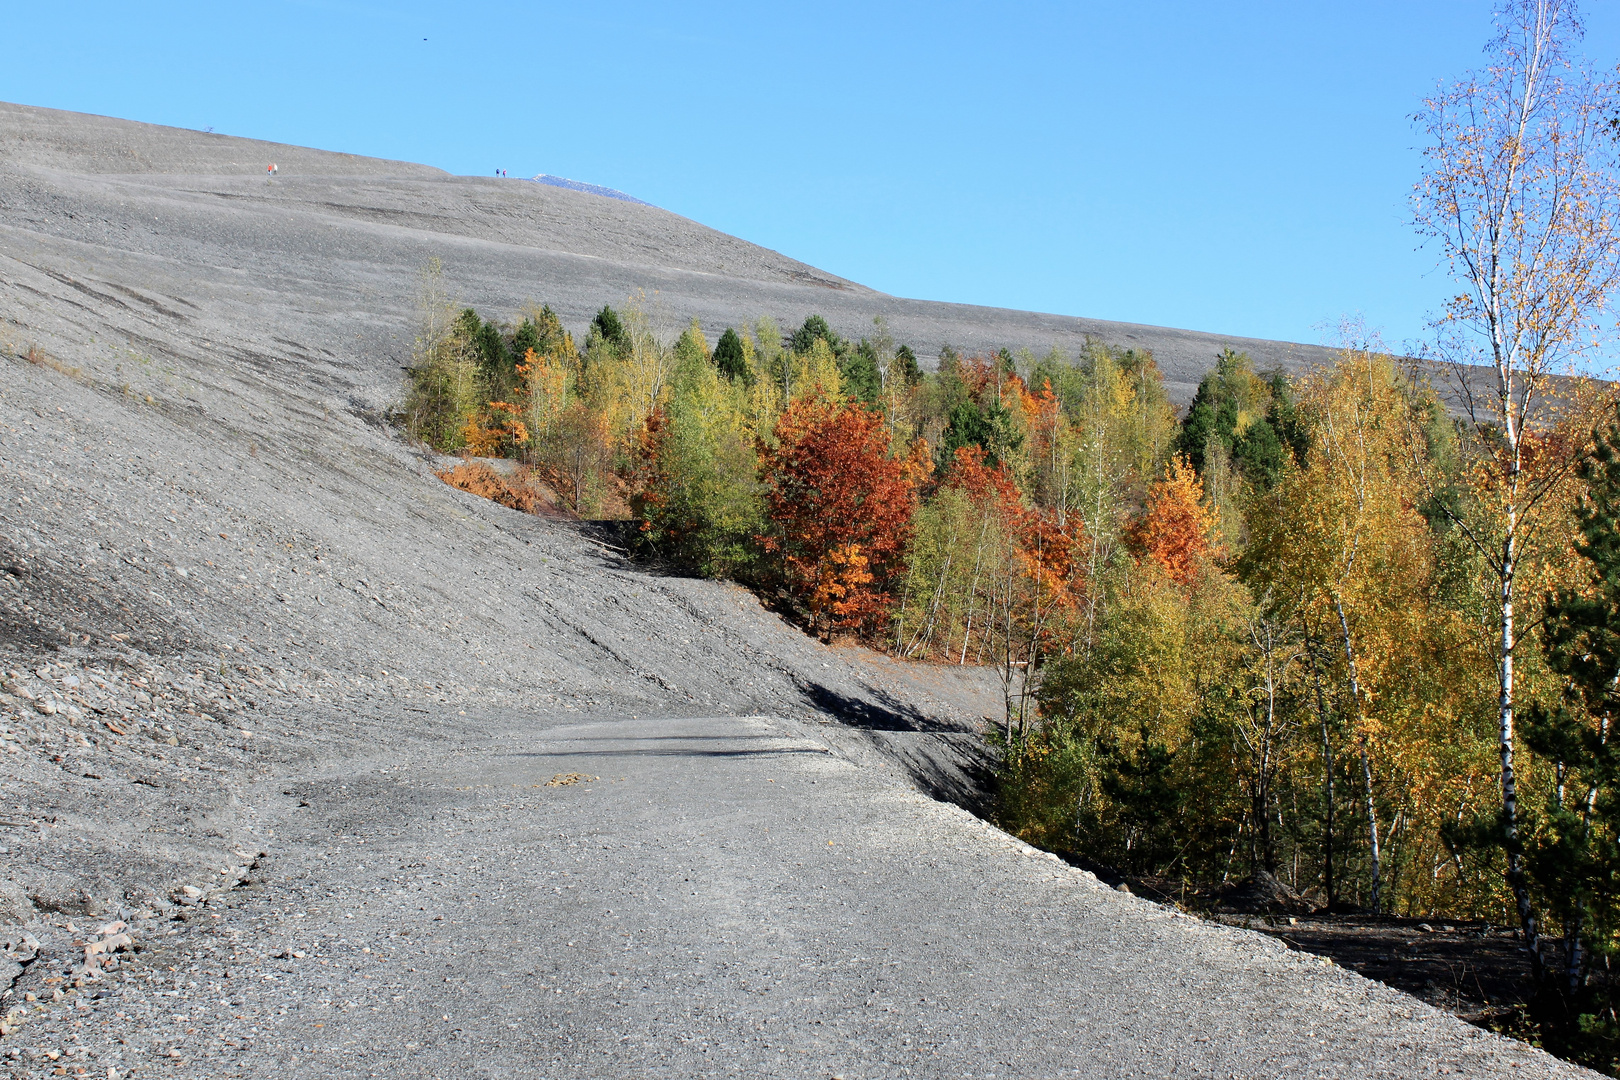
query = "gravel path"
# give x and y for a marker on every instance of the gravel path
(710, 896)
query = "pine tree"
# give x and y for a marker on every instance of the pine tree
(730, 358)
(1572, 853)
(814, 328)
(905, 365)
(610, 329)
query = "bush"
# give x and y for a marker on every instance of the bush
(516, 492)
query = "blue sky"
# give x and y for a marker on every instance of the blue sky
(1240, 168)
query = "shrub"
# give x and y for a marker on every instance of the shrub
(516, 492)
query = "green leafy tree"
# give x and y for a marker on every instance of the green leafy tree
(906, 367)
(691, 348)
(695, 478)
(445, 388)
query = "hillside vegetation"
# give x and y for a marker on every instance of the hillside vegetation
(1252, 641)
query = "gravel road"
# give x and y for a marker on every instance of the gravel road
(709, 896)
(287, 725)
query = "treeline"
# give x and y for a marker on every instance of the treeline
(1261, 638)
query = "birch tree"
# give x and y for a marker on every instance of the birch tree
(1519, 191)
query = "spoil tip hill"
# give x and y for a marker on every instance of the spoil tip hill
(325, 253)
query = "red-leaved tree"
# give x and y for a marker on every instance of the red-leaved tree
(840, 510)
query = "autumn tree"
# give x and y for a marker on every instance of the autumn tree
(1342, 555)
(839, 510)
(1177, 530)
(1096, 439)
(545, 382)
(1519, 192)
(581, 458)
(694, 479)
(445, 387)
(692, 347)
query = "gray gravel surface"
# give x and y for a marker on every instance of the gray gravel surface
(315, 268)
(302, 718)
(709, 896)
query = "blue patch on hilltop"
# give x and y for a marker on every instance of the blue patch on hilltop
(589, 189)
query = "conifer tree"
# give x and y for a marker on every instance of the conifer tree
(730, 358)
(1572, 854)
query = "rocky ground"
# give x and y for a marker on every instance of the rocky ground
(379, 777)
(697, 896)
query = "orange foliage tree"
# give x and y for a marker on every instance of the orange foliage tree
(1176, 531)
(840, 511)
(495, 433)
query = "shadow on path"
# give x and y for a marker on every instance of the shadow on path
(948, 762)
(886, 713)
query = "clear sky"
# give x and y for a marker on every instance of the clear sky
(1238, 167)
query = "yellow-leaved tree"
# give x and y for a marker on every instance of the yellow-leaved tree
(1339, 550)
(1520, 192)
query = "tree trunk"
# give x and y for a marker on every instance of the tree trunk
(1372, 828)
(1268, 852)
(1328, 884)
(1366, 760)
(1510, 841)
